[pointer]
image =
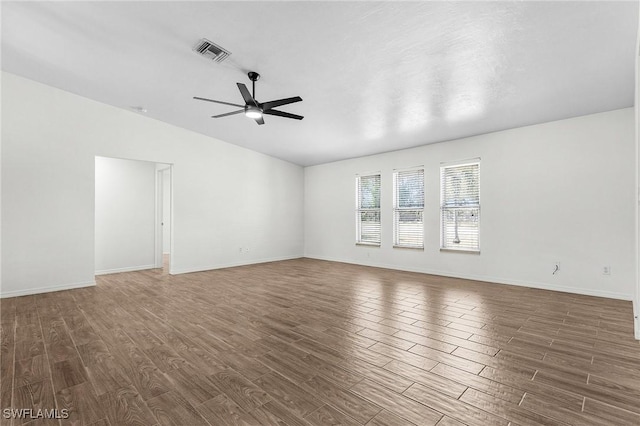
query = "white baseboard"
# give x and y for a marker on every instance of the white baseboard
(498, 280)
(230, 265)
(127, 269)
(30, 291)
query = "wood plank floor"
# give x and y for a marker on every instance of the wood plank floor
(308, 342)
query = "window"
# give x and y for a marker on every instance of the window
(368, 209)
(408, 208)
(460, 206)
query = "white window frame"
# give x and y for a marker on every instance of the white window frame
(443, 167)
(360, 210)
(397, 209)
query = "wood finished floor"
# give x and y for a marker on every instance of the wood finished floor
(311, 342)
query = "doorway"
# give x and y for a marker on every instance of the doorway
(163, 217)
(133, 201)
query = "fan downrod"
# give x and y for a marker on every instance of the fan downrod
(253, 76)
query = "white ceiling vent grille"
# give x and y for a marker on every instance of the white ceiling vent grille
(211, 50)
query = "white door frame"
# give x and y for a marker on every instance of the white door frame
(159, 225)
(159, 213)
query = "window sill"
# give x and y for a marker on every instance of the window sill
(409, 248)
(467, 251)
(368, 244)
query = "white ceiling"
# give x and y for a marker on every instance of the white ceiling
(374, 76)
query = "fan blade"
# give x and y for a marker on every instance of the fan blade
(259, 120)
(280, 102)
(282, 114)
(218, 102)
(227, 114)
(246, 95)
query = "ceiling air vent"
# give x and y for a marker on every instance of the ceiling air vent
(211, 50)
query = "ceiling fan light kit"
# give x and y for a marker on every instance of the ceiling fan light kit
(252, 112)
(254, 109)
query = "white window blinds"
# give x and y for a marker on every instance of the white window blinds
(460, 206)
(408, 208)
(368, 209)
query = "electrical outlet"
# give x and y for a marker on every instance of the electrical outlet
(606, 270)
(240, 250)
(556, 267)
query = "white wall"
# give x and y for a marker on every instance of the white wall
(561, 191)
(557, 191)
(125, 215)
(224, 197)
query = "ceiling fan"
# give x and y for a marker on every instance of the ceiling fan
(254, 109)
